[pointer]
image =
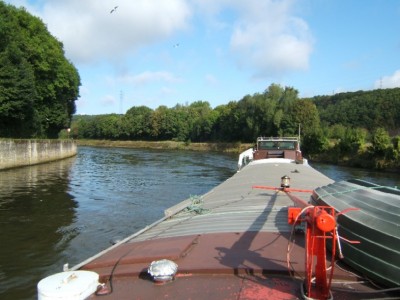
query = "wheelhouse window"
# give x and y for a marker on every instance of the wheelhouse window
(276, 145)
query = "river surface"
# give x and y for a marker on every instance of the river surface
(66, 211)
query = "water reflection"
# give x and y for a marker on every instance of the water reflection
(34, 207)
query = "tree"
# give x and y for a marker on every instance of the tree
(314, 142)
(108, 126)
(369, 109)
(184, 123)
(202, 120)
(381, 142)
(264, 113)
(136, 123)
(34, 72)
(352, 140)
(81, 127)
(300, 113)
(274, 92)
(337, 131)
(164, 123)
(17, 94)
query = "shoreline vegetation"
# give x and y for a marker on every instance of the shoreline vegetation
(233, 148)
(228, 148)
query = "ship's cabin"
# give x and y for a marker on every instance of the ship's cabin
(278, 148)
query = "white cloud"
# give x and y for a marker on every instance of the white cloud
(272, 41)
(388, 82)
(266, 36)
(90, 32)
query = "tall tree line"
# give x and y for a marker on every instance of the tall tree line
(364, 109)
(38, 85)
(276, 111)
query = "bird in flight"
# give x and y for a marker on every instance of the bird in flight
(176, 45)
(114, 9)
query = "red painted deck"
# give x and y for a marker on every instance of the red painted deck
(214, 266)
(233, 245)
(219, 253)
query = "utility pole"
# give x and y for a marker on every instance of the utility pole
(121, 98)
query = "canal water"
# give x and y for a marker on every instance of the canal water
(66, 211)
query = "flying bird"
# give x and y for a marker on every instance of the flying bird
(176, 45)
(114, 9)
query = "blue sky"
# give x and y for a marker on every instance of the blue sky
(168, 52)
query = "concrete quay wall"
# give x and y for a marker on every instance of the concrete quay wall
(18, 153)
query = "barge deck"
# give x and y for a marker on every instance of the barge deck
(232, 243)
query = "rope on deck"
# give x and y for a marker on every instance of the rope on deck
(196, 206)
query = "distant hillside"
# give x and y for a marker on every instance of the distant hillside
(364, 109)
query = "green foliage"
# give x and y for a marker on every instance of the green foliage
(384, 151)
(370, 109)
(336, 131)
(165, 123)
(396, 148)
(381, 142)
(244, 120)
(227, 125)
(136, 123)
(17, 94)
(201, 120)
(38, 84)
(301, 113)
(396, 142)
(314, 142)
(352, 140)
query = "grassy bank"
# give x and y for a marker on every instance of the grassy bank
(234, 148)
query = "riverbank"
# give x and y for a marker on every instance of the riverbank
(360, 160)
(26, 152)
(234, 148)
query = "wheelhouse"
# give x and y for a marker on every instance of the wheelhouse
(272, 147)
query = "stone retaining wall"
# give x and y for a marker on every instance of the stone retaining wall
(17, 153)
